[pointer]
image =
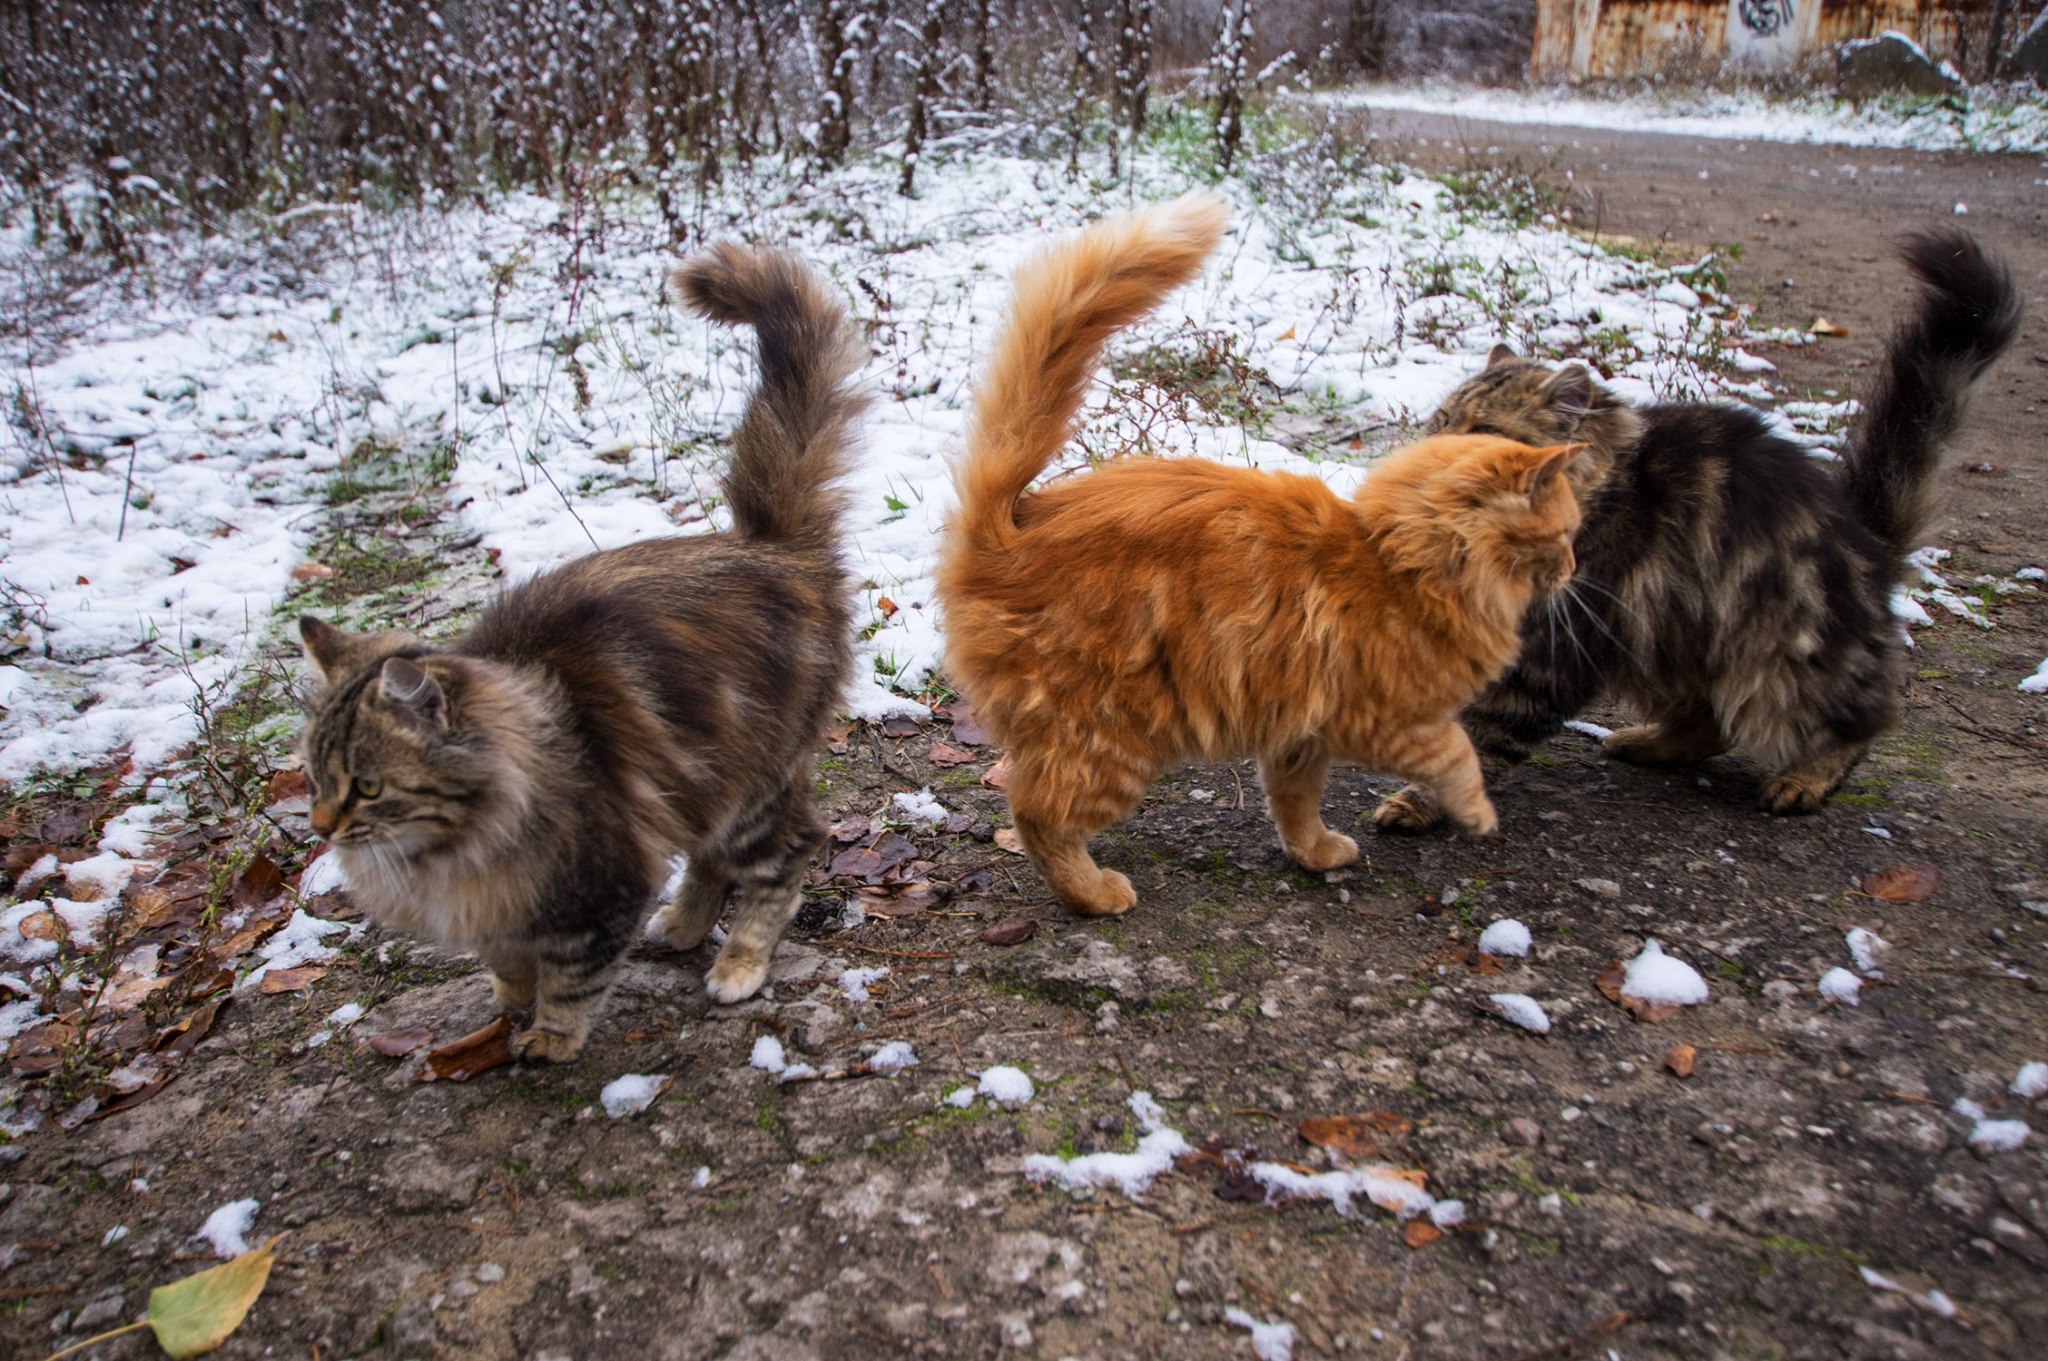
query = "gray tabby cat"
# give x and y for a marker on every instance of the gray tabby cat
(521, 790)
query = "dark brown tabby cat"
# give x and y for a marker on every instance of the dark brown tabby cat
(1732, 590)
(520, 791)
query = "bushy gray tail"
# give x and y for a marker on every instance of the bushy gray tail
(792, 444)
(1969, 313)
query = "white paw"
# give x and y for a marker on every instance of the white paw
(673, 929)
(735, 980)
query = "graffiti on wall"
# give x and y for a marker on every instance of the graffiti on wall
(1766, 17)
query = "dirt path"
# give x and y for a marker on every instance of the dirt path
(1608, 1202)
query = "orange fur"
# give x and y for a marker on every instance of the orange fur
(1155, 610)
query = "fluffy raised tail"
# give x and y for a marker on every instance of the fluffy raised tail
(792, 444)
(1066, 304)
(1968, 314)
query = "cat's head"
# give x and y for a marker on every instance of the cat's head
(1533, 403)
(390, 761)
(1487, 501)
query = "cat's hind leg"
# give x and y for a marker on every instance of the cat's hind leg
(1294, 781)
(686, 919)
(1684, 737)
(1056, 813)
(768, 865)
(1804, 786)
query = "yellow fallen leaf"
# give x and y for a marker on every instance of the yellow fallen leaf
(193, 1316)
(1823, 327)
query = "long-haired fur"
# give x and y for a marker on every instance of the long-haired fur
(521, 791)
(1731, 590)
(1153, 610)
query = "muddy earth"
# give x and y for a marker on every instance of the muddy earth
(1611, 1206)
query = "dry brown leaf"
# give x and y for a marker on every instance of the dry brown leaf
(259, 882)
(1356, 1137)
(291, 980)
(43, 925)
(945, 755)
(1610, 979)
(886, 607)
(287, 784)
(1823, 327)
(997, 776)
(1609, 982)
(899, 726)
(1420, 1233)
(858, 827)
(1486, 966)
(835, 738)
(1007, 839)
(1680, 1059)
(1010, 933)
(967, 729)
(396, 1044)
(312, 571)
(1905, 883)
(477, 1052)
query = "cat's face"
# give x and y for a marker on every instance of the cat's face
(381, 766)
(1520, 400)
(1511, 504)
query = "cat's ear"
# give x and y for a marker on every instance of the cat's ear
(407, 687)
(1543, 466)
(1500, 354)
(1569, 393)
(327, 647)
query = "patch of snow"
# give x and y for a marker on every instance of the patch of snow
(224, 1229)
(1270, 1341)
(114, 1235)
(1447, 1214)
(1867, 948)
(1656, 977)
(921, 806)
(2031, 574)
(768, 1055)
(1839, 985)
(1882, 833)
(324, 875)
(1999, 1136)
(1522, 1010)
(631, 1094)
(2031, 1081)
(2036, 684)
(298, 941)
(1130, 1173)
(961, 1097)
(893, 1058)
(700, 1179)
(1343, 1187)
(1008, 1087)
(1506, 937)
(1592, 730)
(342, 1017)
(854, 982)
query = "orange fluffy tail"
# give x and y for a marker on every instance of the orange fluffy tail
(1066, 304)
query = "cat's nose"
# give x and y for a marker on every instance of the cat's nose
(326, 817)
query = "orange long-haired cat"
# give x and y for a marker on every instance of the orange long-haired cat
(1153, 610)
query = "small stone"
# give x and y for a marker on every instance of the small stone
(1016, 1331)
(1600, 888)
(1108, 1018)
(490, 1273)
(1522, 1132)
(96, 1316)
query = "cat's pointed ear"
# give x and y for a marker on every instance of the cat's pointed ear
(406, 685)
(1500, 354)
(327, 647)
(1543, 466)
(1569, 393)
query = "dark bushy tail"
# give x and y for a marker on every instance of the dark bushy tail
(1968, 314)
(792, 444)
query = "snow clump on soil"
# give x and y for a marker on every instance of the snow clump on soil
(1655, 977)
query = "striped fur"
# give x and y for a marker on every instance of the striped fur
(1731, 590)
(1153, 610)
(520, 791)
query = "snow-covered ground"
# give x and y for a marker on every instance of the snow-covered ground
(2018, 125)
(182, 452)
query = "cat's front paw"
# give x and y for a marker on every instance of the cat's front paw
(680, 930)
(1110, 895)
(1790, 796)
(1411, 810)
(1331, 850)
(1479, 820)
(735, 978)
(546, 1046)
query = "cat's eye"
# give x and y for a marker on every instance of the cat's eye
(367, 787)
